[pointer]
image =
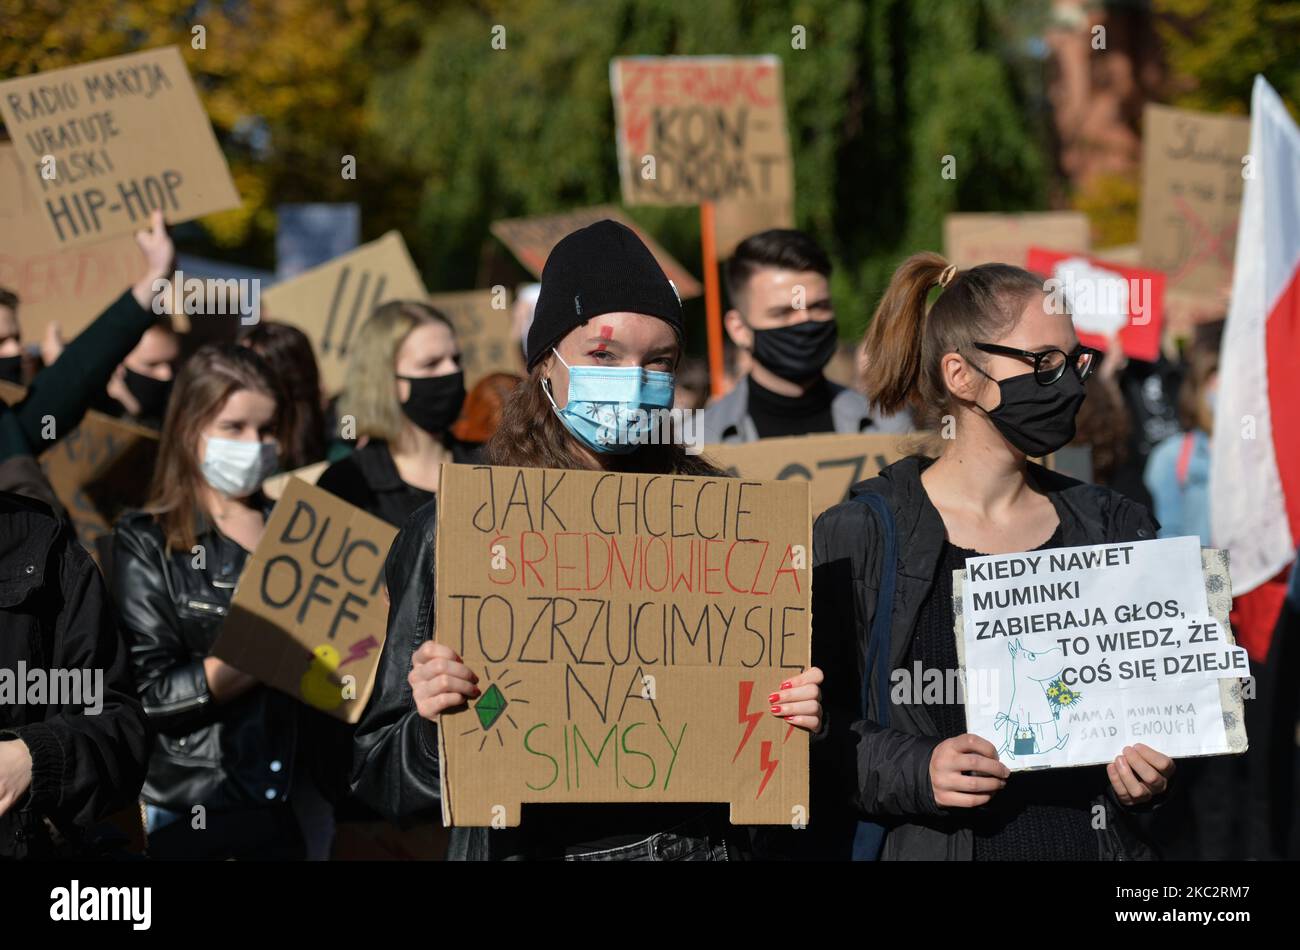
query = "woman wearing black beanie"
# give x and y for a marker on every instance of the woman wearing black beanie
(605, 339)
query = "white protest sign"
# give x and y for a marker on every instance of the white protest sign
(1071, 654)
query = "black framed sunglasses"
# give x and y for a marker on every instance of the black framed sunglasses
(1049, 365)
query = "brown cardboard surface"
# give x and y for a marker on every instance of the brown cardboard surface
(331, 302)
(485, 335)
(971, 239)
(714, 125)
(128, 134)
(98, 470)
(274, 486)
(531, 240)
(1191, 196)
(603, 677)
(310, 609)
(736, 220)
(72, 285)
(831, 463)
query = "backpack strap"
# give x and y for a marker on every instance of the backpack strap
(1184, 458)
(881, 624)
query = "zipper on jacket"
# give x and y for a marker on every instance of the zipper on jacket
(206, 607)
(175, 705)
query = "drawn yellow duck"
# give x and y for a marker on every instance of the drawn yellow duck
(317, 685)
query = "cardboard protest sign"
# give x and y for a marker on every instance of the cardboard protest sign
(274, 486)
(831, 463)
(97, 471)
(1106, 298)
(531, 240)
(73, 285)
(1070, 654)
(626, 631)
(972, 239)
(310, 614)
(1192, 168)
(736, 220)
(701, 128)
(485, 333)
(330, 302)
(105, 143)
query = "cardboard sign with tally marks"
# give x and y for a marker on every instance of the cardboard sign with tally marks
(692, 129)
(832, 464)
(626, 630)
(310, 613)
(531, 241)
(105, 143)
(331, 302)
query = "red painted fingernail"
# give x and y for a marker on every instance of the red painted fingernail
(774, 697)
(776, 710)
(785, 685)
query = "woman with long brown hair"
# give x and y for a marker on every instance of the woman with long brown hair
(997, 370)
(603, 346)
(227, 768)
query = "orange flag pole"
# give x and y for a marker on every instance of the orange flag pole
(712, 298)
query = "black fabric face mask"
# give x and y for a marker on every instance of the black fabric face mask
(797, 352)
(435, 401)
(11, 369)
(1037, 419)
(150, 393)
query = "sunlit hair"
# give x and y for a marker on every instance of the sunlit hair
(209, 378)
(370, 386)
(905, 344)
(531, 435)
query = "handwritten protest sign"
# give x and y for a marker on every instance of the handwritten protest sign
(831, 463)
(701, 128)
(1192, 166)
(626, 631)
(1070, 654)
(274, 486)
(1105, 298)
(96, 470)
(105, 143)
(309, 615)
(330, 302)
(72, 285)
(531, 240)
(972, 239)
(484, 332)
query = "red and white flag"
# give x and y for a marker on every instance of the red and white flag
(1255, 462)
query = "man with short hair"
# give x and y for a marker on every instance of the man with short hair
(781, 314)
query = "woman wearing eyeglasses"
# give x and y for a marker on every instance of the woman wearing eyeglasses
(998, 371)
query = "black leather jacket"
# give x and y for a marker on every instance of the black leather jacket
(234, 756)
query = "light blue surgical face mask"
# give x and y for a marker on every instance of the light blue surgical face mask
(611, 408)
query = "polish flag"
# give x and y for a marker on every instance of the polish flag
(1255, 462)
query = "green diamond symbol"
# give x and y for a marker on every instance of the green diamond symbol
(490, 706)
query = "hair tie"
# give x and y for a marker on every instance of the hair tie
(948, 274)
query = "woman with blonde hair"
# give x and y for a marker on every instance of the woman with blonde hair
(404, 389)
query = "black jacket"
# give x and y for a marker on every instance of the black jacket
(54, 616)
(885, 772)
(229, 757)
(369, 480)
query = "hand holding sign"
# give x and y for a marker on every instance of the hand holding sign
(965, 772)
(158, 250)
(439, 680)
(1140, 774)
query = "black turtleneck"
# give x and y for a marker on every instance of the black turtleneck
(776, 415)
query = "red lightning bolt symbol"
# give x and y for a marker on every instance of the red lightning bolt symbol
(745, 716)
(766, 763)
(359, 650)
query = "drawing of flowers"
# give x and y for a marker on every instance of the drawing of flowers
(1060, 696)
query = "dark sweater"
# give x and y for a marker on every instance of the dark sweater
(775, 415)
(1039, 815)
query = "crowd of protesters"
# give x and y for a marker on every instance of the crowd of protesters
(209, 763)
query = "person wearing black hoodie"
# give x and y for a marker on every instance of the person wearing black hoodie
(1003, 374)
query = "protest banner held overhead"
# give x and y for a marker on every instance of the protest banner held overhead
(1071, 654)
(617, 624)
(310, 612)
(331, 302)
(103, 144)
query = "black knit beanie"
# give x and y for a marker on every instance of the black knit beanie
(602, 268)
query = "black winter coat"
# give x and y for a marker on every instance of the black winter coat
(54, 616)
(885, 772)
